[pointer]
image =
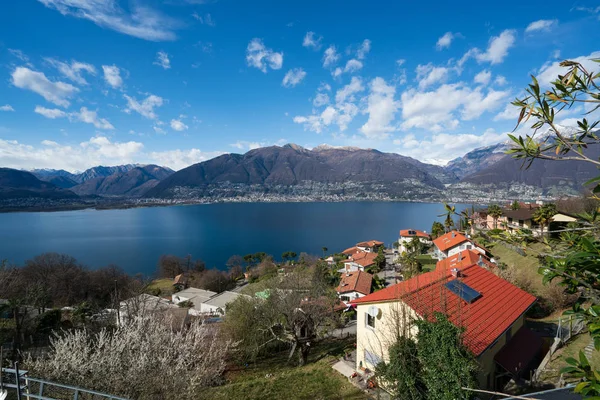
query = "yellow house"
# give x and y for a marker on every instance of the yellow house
(490, 309)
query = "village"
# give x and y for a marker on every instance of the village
(379, 290)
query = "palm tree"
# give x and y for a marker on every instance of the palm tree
(495, 212)
(449, 223)
(437, 230)
(515, 205)
(543, 216)
(324, 251)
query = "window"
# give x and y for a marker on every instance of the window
(371, 321)
(372, 358)
(345, 298)
(463, 290)
(469, 246)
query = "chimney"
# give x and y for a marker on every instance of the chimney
(455, 272)
(453, 234)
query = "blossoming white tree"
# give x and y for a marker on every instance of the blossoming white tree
(143, 359)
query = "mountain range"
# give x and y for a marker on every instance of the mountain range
(323, 173)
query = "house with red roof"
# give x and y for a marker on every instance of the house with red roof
(453, 243)
(370, 246)
(354, 285)
(490, 309)
(359, 261)
(407, 235)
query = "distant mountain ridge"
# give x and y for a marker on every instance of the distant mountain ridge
(132, 182)
(15, 184)
(294, 170)
(327, 173)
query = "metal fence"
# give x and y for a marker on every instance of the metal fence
(20, 386)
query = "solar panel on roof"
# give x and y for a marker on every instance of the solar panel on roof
(463, 290)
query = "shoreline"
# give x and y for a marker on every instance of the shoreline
(149, 204)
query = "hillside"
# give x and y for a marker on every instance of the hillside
(294, 170)
(132, 183)
(15, 184)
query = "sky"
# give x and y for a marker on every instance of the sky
(176, 82)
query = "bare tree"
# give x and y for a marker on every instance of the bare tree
(297, 311)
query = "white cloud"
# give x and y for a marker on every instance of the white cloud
(341, 114)
(179, 159)
(112, 76)
(178, 125)
(6, 107)
(541, 25)
(321, 99)
(54, 92)
(353, 66)
(159, 130)
(261, 57)
(500, 80)
(550, 71)
(330, 57)
(207, 19)
(19, 54)
(337, 72)
(141, 21)
(400, 62)
(311, 40)
(428, 75)
(347, 92)
(441, 109)
(91, 117)
(483, 77)
(50, 113)
(509, 112)
(162, 60)
(498, 47)
(293, 77)
(381, 108)
(73, 70)
(146, 107)
(96, 151)
(445, 41)
(83, 115)
(443, 147)
(364, 49)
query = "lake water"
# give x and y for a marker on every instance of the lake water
(135, 238)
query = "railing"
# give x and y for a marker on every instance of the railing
(26, 387)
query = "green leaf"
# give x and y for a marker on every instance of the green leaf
(583, 359)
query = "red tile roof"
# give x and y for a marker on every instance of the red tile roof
(409, 233)
(484, 320)
(463, 259)
(370, 243)
(449, 240)
(351, 250)
(362, 258)
(358, 281)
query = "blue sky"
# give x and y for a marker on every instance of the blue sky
(175, 82)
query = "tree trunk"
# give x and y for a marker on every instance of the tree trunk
(303, 353)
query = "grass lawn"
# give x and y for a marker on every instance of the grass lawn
(165, 286)
(528, 265)
(427, 262)
(570, 350)
(276, 378)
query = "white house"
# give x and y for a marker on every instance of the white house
(196, 296)
(407, 235)
(354, 285)
(370, 246)
(216, 305)
(453, 243)
(359, 261)
(489, 309)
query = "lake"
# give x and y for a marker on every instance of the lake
(134, 239)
